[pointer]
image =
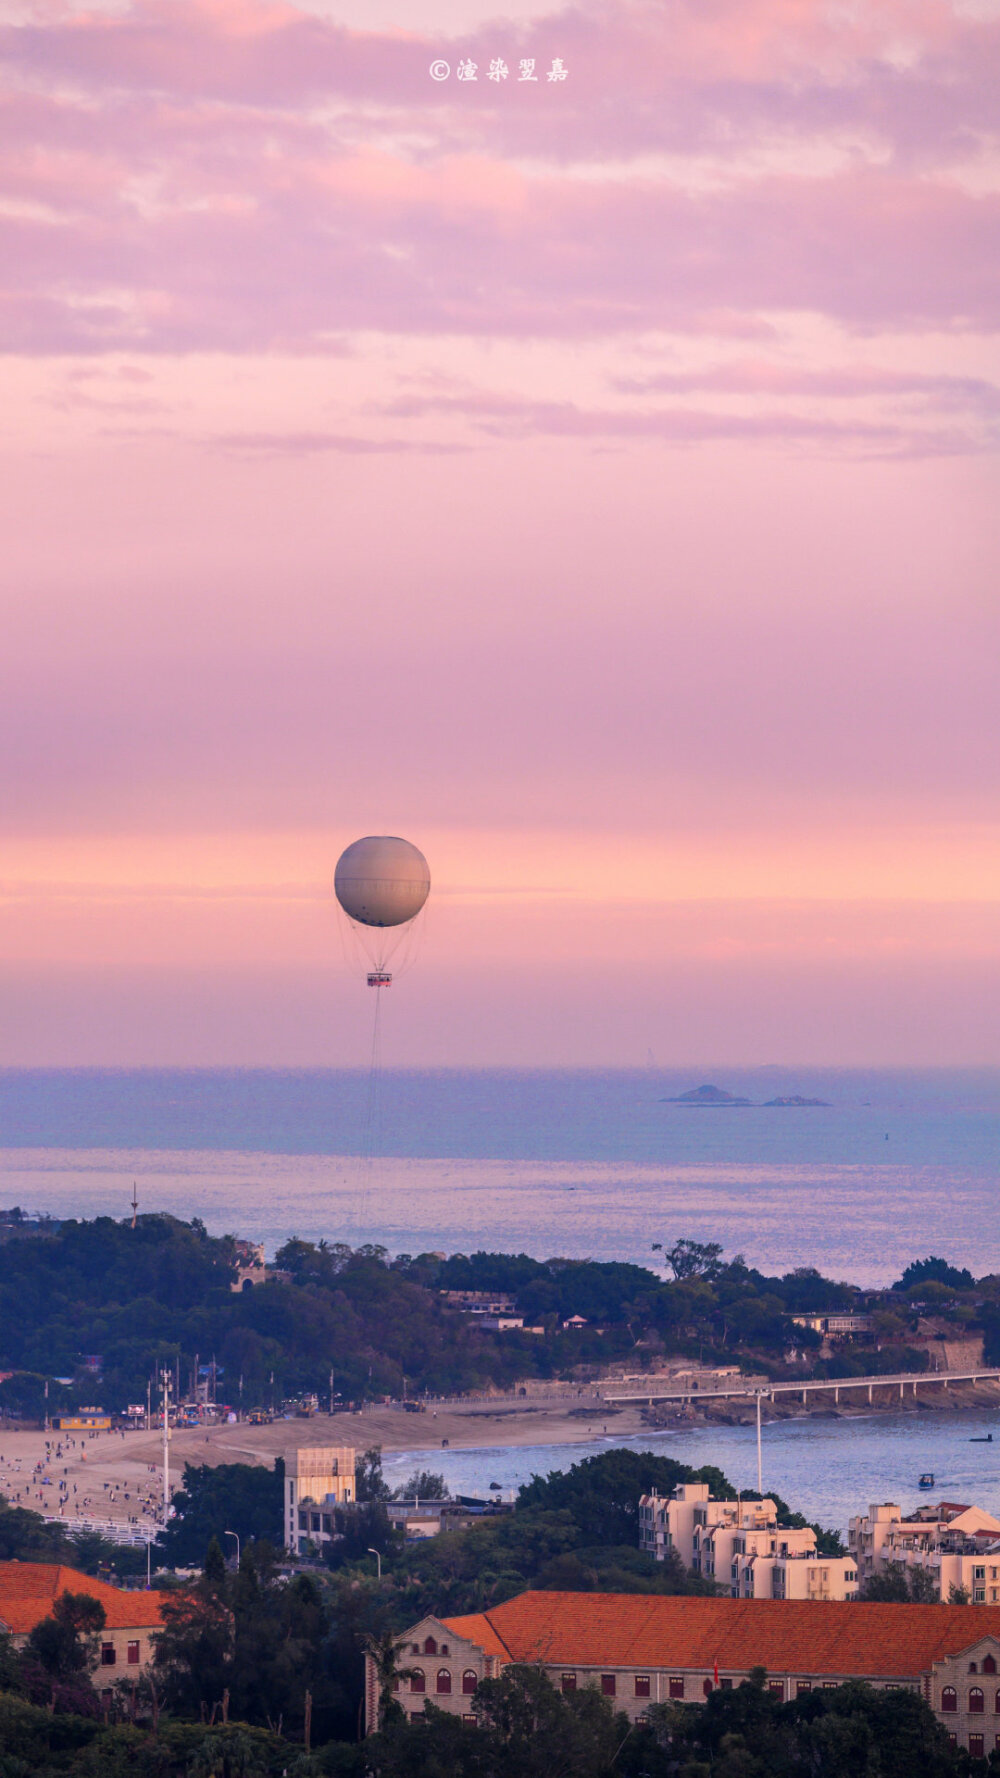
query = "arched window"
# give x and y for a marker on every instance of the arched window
(417, 1680)
(430, 1646)
(444, 1681)
(977, 1703)
(707, 1687)
(469, 1680)
(949, 1698)
(996, 1705)
(989, 1664)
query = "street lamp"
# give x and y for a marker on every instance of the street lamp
(237, 1537)
(378, 1559)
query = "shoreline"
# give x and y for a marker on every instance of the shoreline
(121, 1476)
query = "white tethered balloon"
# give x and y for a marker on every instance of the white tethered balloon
(382, 883)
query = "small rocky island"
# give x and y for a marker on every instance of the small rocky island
(716, 1098)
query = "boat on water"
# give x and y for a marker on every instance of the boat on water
(927, 1479)
(981, 1438)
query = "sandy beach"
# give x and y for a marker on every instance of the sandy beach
(118, 1477)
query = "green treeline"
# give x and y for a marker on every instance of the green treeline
(160, 1293)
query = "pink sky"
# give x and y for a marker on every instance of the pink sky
(592, 480)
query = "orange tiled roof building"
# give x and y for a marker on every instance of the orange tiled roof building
(29, 1590)
(642, 1649)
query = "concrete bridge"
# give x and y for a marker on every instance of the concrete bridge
(904, 1381)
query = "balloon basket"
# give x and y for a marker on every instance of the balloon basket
(380, 978)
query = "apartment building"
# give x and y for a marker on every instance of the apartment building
(317, 1480)
(639, 1650)
(683, 1520)
(957, 1545)
(740, 1546)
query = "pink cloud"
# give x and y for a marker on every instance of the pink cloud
(179, 181)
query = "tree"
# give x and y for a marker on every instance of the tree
(241, 1497)
(369, 1482)
(194, 1650)
(888, 1586)
(423, 1484)
(694, 1259)
(63, 1646)
(934, 1270)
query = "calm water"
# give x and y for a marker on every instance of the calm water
(899, 1165)
(594, 1163)
(827, 1469)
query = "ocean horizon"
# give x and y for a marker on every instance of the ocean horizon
(896, 1164)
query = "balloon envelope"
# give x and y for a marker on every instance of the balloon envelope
(382, 881)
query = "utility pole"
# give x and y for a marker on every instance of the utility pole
(166, 1446)
(331, 1392)
(149, 1403)
(135, 1203)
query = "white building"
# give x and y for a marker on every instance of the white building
(958, 1546)
(741, 1547)
(317, 1480)
(682, 1521)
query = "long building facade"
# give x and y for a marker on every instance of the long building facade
(641, 1649)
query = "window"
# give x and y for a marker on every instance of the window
(677, 1688)
(706, 1686)
(444, 1682)
(608, 1685)
(642, 1685)
(979, 1595)
(444, 1648)
(776, 1688)
(979, 1574)
(725, 1685)
(108, 1655)
(568, 1682)
(417, 1679)
(977, 1703)
(976, 1743)
(996, 1703)
(414, 1648)
(430, 1646)
(804, 1685)
(469, 1681)
(949, 1698)
(133, 1654)
(471, 1720)
(303, 1521)
(989, 1664)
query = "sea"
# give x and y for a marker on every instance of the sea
(893, 1165)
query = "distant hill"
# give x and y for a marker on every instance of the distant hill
(711, 1096)
(716, 1096)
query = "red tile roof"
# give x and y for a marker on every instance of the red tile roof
(29, 1590)
(835, 1638)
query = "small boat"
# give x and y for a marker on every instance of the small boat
(982, 1438)
(927, 1479)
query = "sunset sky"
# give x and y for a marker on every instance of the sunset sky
(593, 480)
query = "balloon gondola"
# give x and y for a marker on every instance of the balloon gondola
(381, 883)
